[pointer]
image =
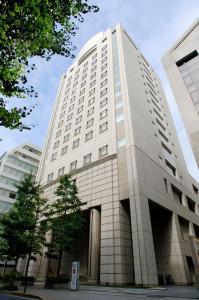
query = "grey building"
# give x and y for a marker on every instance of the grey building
(14, 164)
(111, 129)
(181, 63)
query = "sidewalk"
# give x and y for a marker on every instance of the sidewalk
(100, 292)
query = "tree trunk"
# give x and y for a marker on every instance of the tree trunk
(59, 262)
(26, 273)
(4, 268)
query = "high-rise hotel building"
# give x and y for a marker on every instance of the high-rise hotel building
(181, 64)
(111, 129)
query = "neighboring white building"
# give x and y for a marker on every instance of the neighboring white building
(111, 129)
(181, 63)
(14, 165)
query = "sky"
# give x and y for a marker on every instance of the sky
(154, 25)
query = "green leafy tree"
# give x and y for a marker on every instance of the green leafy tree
(67, 220)
(32, 28)
(24, 226)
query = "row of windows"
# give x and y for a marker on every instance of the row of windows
(103, 68)
(103, 127)
(87, 159)
(78, 120)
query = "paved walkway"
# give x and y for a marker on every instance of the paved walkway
(114, 293)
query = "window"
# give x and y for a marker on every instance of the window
(103, 67)
(103, 92)
(89, 136)
(66, 137)
(87, 159)
(77, 130)
(170, 168)
(72, 99)
(103, 102)
(61, 171)
(73, 165)
(69, 117)
(66, 91)
(81, 100)
(83, 83)
(119, 105)
(103, 151)
(91, 101)
(77, 72)
(60, 124)
(166, 185)
(80, 109)
(93, 75)
(93, 69)
(71, 107)
(120, 118)
(177, 194)
(54, 156)
(94, 56)
(82, 92)
(68, 127)
(50, 177)
(195, 189)
(92, 92)
(64, 150)
(92, 83)
(76, 143)
(74, 91)
(56, 145)
(94, 62)
(62, 114)
(90, 111)
(12, 195)
(89, 123)
(121, 142)
(65, 98)
(78, 120)
(75, 84)
(103, 114)
(76, 77)
(104, 82)
(84, 71)
(104, 60)
(58, 133)
(68, 84)
(103, 74)
(104, 53)
(86, 63)
(64, 106)
(103, 127)
(104, 48)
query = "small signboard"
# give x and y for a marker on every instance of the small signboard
(75, 275)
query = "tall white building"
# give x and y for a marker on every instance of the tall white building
(111, 129)
(181, 64)
(14, 165)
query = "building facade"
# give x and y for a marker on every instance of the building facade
(181, 63)
(111, 129)
(14, 164)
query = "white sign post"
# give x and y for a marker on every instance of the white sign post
(75, 275)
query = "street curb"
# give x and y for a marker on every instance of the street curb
(24, 295)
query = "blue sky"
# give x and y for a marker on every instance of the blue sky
(153, 24)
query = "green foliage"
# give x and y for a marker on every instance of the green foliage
(67, 221)
(32, 28)
(9, 280)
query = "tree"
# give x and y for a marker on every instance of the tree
(25, 225)
(32, 28)
(67, 221)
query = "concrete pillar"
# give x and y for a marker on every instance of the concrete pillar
(94, 246)
(142, 239)
(44, 262)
